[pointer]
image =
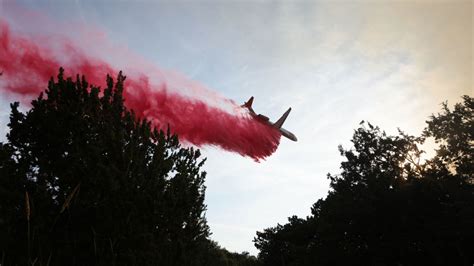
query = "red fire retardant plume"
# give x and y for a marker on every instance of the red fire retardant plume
(27, 65)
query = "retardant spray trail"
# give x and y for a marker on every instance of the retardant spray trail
(27, 66)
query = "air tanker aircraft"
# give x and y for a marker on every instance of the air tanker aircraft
(278, 124)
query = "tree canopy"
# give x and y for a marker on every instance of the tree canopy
(387, 207)
(85, 182)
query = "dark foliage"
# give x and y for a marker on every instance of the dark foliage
(84, 182)
(217, 256)
(387, 208)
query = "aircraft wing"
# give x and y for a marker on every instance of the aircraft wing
(279, 123)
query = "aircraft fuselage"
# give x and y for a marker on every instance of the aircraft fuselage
(264, 119)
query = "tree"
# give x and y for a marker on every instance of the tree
(217, 256)
(387, 208)
(85, 182)
(454, 131)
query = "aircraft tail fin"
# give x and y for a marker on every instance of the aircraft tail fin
(248, 103)
(279, 123)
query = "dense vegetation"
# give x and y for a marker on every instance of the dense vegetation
(84, 182)
(387, 207)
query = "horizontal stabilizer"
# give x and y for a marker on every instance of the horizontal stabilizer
(279, 123)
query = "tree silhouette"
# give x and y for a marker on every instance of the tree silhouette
(100, 187)
(387, 208)
(454, 131)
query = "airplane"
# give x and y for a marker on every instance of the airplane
(278, 124)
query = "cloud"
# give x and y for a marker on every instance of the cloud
(335, 63)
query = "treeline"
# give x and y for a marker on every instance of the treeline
(83, 181)
(388, 206)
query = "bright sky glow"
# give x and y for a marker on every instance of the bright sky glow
(336, 63)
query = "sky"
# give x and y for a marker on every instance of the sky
(334, 62)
